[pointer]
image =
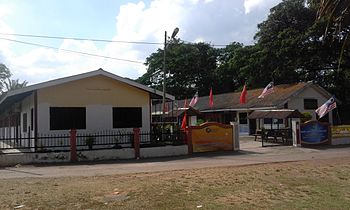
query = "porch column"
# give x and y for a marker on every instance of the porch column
(35, 119)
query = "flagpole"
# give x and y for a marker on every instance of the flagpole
(338, 116)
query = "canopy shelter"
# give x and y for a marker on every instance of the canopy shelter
(274, 117)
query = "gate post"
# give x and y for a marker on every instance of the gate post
(189, 140)
(73, 145)
(137, 142)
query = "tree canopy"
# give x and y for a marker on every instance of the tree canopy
(301, 40)
(6, 83)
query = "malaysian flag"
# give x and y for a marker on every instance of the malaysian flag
(194, 100)
(268, 90)
(326, 107)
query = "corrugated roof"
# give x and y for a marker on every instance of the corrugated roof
(8, 96)
(230, 101)
(276, 114)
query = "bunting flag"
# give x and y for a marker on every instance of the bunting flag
(194, 100)
(243, 97)
(211, 100)
(268, 90)
(184, 121)
(166, 107)
(326, 107)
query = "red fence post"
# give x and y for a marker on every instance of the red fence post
(73, 145)
(137, 142)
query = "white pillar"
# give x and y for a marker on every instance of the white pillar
(235, 136)
(296, 132)
(193, 120)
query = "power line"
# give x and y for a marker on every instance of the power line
(72, 51)
(81, 39)
(98, 40)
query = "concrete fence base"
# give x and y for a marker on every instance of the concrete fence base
(91, 155)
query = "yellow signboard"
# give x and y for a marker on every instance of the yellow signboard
(340, 131)
(211, 137)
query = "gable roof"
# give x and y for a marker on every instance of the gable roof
(230, 101)
(13, 96)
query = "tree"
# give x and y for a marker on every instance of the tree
(4, 75)
(229, 78)
(7, 84)
(11, 84)
(190, 68)
(282, 40)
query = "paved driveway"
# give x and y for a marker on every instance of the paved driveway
(251, 153)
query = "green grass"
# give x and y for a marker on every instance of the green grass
(298, 185)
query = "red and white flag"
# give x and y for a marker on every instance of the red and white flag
(326, 107)
(268, 90)
(194, 100)
(211, 99)
(243, 97)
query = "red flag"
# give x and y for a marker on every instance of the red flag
(211, 100)
(184, 121)
(243, 98)
(166, 107)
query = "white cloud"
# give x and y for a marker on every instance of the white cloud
(218, 22)
(250, 4)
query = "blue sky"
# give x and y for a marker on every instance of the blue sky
(214, 21)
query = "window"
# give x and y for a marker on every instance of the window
(25, 123)
(267, 120)
(243, 118)
(277, 121)
(310, 103)
(65, 118)
(285, 106)
(127, 117)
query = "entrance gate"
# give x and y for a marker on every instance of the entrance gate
(212, 137)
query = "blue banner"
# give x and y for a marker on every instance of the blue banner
(314, 132)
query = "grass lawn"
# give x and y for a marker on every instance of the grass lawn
(318, 184)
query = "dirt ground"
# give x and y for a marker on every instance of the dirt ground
(312, 184)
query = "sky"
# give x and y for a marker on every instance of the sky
(218, 22)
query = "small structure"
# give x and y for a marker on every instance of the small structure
(281, 124)
(275, 118)
(88, 102)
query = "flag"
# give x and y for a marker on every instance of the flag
(243, 97)
(211, 100)
(326, 107)
(268, 90)
(184, 121)
(194, 100)
(166, 107)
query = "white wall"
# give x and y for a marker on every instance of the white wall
(26, 105)
(98, 117)
(308, 93)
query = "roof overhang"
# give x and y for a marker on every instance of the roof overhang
(276, 114)
(238, 109)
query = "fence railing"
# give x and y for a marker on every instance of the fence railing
(161, 139)
(88, 141)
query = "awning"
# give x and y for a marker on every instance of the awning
(276, 114)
